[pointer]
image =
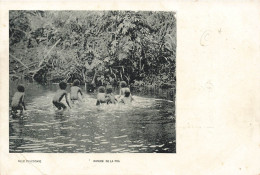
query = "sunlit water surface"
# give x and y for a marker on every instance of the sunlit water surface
(145, 126)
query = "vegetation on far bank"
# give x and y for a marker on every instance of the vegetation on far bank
(96, 47)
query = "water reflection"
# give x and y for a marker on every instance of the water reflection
(148, 125)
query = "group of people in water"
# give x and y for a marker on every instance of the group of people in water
(105, 95)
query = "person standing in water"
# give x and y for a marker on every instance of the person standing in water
(75, 90)
(59, 95)
(127, 99)
(101, 96)
(18, 100)
(110, 97)
(123, 89)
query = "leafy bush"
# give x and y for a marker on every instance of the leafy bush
(94, 46)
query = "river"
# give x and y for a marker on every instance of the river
(145, 126)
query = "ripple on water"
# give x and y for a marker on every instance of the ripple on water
(117, 150)
(99, 137)
(123, 136)
(134, 146)
(85, 140)
(88, 128)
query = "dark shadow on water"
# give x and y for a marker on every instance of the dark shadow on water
(60, 119)
(16, 132)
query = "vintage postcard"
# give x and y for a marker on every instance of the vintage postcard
(129, 87)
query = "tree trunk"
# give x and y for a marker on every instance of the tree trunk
(94, 77)
(84, 79)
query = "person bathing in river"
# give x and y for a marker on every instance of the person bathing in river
(59, 95)
(110, 97)
(127, 99)
(74, 91)
(18, 100)
(101, 96)
(123, 89)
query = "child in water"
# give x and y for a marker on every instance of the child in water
(101, 96)
(123, 89)
(110, 97)
(74, 91)
(127, 99)
(18, 100)
(59, 95)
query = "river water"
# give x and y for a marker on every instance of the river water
(145, 126)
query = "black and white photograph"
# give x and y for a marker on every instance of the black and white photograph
(92, 81)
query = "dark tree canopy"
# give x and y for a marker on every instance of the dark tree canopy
(135, 46)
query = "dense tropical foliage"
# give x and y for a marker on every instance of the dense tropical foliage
(97, 47)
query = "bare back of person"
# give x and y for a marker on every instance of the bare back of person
(58, 97)
(17, 101)
(74, 93)
(101, 98)
(122, 91)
